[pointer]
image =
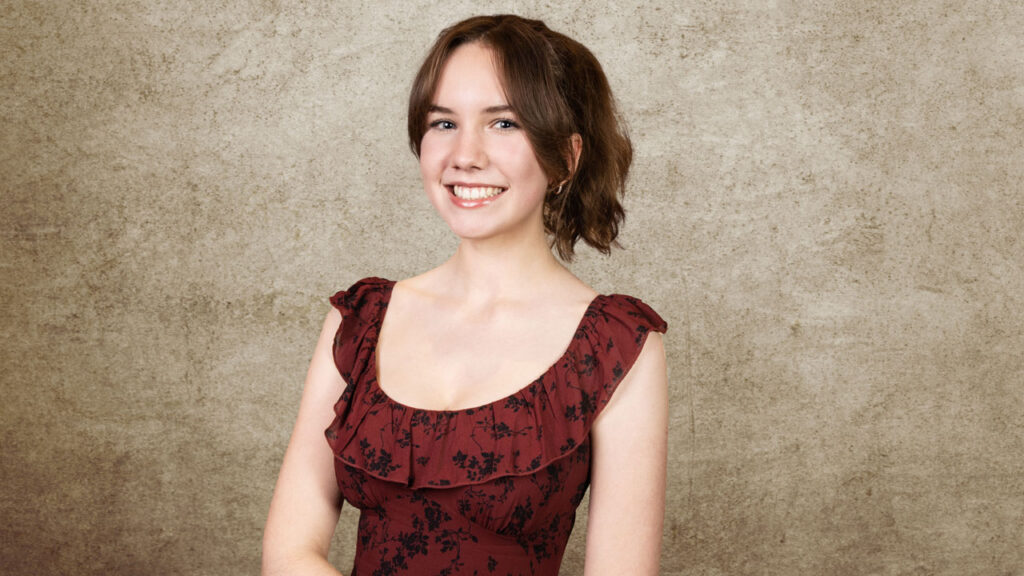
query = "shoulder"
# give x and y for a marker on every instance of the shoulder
(362, 287)
(639, 391)
(618, 341)
(359, 295)
(630, 333)
(623, 315)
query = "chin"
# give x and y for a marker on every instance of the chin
(464, 232)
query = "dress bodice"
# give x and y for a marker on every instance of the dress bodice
(491, 489)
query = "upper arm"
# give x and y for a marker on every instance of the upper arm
(306, 504)
(630, 447)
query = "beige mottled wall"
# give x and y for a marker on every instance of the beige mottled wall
(826, 207)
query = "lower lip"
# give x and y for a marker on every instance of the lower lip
(472, 203)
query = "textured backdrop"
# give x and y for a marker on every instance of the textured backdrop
(826, 207)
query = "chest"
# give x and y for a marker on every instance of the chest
(438, 362)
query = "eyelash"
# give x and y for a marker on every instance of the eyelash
(438, 123)
(511, 124)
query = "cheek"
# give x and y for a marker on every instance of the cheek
(518, 158)
(431, 155)
(529, 168)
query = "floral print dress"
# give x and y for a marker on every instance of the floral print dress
(490, 490)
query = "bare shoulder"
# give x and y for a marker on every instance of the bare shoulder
(416, 292)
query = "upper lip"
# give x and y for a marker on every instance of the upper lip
(473, 185)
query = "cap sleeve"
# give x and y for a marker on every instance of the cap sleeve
(361, 307)
(619, 331)
(361, 298)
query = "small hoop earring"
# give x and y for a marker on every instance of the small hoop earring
(559, 191)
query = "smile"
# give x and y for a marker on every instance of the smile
(475, 192)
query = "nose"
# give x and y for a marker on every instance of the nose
(469, 151)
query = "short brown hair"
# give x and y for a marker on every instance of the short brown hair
(557, 88)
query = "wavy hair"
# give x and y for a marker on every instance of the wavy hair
(557, 89)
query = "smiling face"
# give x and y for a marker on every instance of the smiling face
(478, 167)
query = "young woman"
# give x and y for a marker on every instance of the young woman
(475, 403)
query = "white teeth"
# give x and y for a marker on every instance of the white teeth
(476, 192)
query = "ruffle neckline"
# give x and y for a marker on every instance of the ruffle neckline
(546, 420)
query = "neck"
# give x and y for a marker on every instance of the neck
(490, 271)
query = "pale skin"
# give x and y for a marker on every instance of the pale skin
(502, 291)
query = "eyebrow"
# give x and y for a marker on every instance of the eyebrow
(488, 110)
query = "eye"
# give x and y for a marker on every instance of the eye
(443, 124)
(506, 124)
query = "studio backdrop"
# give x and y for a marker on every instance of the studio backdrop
(825, 205)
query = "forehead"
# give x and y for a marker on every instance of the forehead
(470, 78)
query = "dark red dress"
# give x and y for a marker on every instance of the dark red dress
(485, 490)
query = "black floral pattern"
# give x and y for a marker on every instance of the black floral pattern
(487, 490)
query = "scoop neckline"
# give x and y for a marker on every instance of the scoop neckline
(379, 322)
